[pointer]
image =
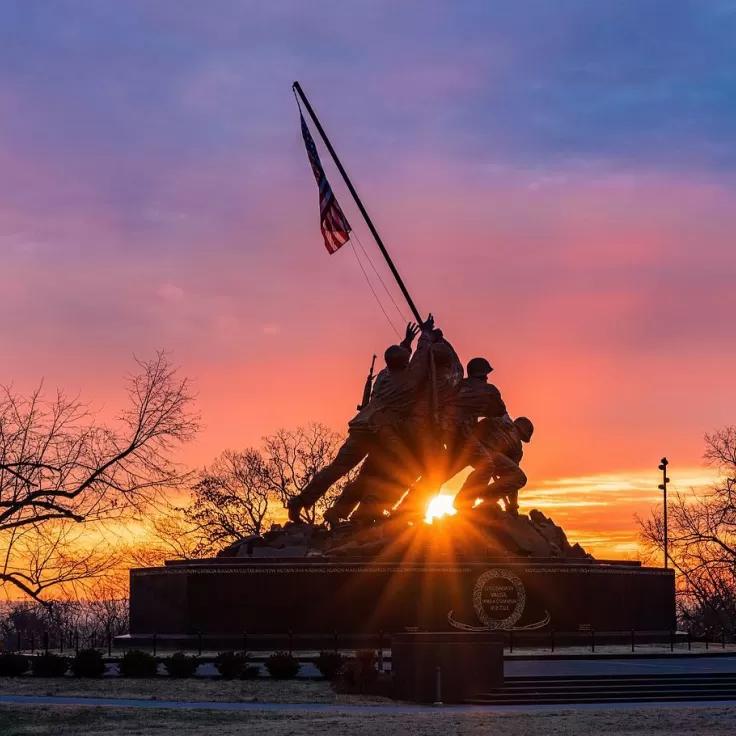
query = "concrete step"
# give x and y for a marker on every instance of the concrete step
(603, 683)
(573, 700)
(608, 678)
(612, 689)
(582, 690)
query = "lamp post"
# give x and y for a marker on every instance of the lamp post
(663, 487)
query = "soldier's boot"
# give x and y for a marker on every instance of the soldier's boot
(332, 517)
(512, 507)
(371, 510)
(336, 515)
(295, 506)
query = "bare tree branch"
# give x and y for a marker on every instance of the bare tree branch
(60, 468)
(702, 541)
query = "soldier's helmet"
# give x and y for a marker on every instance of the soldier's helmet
(479, 367)
(396, 357)
(524, 427)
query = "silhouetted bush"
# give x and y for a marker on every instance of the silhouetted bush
(231, 664)
(49, 665)
(13, 665)
(180, 665)
(282, 666)
(136, 663)
(329, 664)
(88, 663)
(359, 673)
(250, 672)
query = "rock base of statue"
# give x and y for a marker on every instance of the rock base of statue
(510, 574)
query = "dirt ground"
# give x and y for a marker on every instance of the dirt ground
(95, 721)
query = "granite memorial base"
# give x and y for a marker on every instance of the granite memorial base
(221, 602)
(445, 667)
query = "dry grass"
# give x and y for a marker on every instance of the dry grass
(192, 690)
(95, 721)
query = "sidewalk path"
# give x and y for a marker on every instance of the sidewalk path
(336, 708)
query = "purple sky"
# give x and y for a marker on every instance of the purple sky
(554, 179)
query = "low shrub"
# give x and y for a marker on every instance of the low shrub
(329, 664)
(88, 663)
(231, 664)
(13, 664)
(49, 665)
(282, 666)
(179, 665)
(136, 663)
(359, 674)
(250, 672)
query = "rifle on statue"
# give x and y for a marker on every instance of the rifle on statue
(368, 387)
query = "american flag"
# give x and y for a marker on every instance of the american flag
(333, 223)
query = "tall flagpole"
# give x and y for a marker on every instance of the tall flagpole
(297, 88)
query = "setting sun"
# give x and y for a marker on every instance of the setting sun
(440, 505)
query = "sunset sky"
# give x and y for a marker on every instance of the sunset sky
(555, 181)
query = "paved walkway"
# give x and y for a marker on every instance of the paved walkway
(329, 708)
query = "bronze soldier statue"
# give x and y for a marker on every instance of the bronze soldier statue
(503, 439)
(384, 477)
(475, 399)
(373, 428)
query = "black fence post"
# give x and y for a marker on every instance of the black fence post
(154, 643)
(672, 641)
(46, 641)
(632, 640)
(552, 639)
(511, 641)
(706, 640)
(592, 641)
(723, 638)
(199, 639)
(109, 644)
(689, 640)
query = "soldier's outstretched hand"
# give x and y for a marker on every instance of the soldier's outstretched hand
(412, 330)
(428, 324)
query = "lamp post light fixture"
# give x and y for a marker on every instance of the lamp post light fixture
(663, 487)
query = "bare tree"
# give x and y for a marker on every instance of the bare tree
(233, 499)
(702, 541)
(60, 469)
(295, 456)
(167, 535)
(240, 493)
